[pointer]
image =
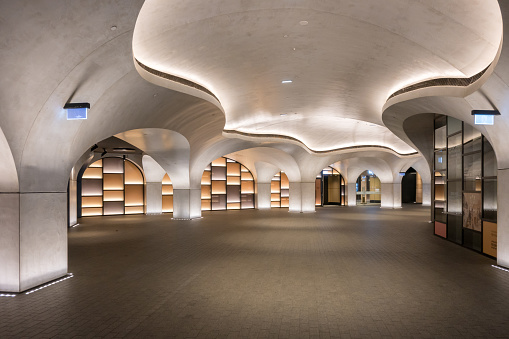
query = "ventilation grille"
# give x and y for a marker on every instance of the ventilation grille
(176, 79)
(457, 82)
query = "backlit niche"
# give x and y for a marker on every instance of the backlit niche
(280, 190)
(330, 188)
(112, 186)
(225, 185)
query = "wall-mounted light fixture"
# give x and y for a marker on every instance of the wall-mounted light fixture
(402, 174)
(484, 117)
(77, 111)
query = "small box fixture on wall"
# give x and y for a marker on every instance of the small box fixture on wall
(484, 117)
(77, 111)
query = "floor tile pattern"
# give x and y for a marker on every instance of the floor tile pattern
(357, 272)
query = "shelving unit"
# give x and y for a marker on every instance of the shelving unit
(167, 195)
(112, 186)
(92, 190)
(227, 185)
(465, 209)
(280, 190)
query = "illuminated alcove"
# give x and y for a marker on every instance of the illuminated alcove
(112, 186)
(368, 189)
(225, 185)
(330, 188)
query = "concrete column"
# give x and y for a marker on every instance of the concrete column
(503, 218)
(387, 195)
(397, 195)
(186, 203)
(154, 197)
(263, 195)
(352, 194)
(307, 196)
(295, 197)
(33, 245)
(73, 202)
(426, 194)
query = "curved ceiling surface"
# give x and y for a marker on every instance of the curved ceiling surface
(344, 58)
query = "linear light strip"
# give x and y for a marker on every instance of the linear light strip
(500, 268)
(70, 275)
(8, 295)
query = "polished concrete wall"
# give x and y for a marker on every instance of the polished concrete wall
(154, 197)
(503, 218)
(43, 238)
(9, 242)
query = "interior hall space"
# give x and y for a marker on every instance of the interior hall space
(367, 273)
(254, 168)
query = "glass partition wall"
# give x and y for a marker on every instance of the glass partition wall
(465, 186)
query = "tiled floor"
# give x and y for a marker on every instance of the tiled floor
(357, 272)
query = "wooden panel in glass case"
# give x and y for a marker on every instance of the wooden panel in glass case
(98, 163)
(91, 202)
(113, 181)
(233, 194)
(206, 178)
(246, 176)
(205, 204)
(113, 165)
(233, 181)
(167, 190)
(166, 180)
(233, 206)
(134, 210)
(87, 212)
(132, 174)
(285, 183)
(113, 207)
(247, 187)
(93, 173)
(218, 187)
(134, 195)
(218, 173)
(205, 192)
(113, 195)
(167, 203)
(219, 162)
(233, 169)
(91, 187)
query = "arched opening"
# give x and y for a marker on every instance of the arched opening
(330, 188)
(226, 185)
(368, 189)
(411, 187)
(465, 192)
(111, 186)
(280, 191)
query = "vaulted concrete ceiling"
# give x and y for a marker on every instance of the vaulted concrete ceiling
(344, 58)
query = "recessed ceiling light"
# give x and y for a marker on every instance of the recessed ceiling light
(113, 28)
(283, 114)
(285, 36)
(286, 81)
(303, 23)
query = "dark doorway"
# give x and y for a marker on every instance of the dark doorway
(409, 187)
